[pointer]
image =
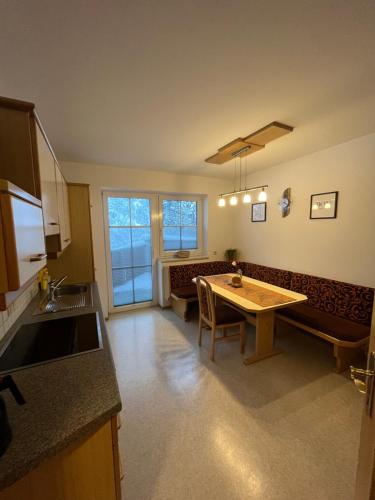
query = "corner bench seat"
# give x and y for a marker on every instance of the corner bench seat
(183, 292)
(337, 312)
(334, 326)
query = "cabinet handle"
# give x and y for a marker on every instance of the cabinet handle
(38, 257)
(66, 240)
(53, 223)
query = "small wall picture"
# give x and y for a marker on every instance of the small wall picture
(324, 205)
(258, 212)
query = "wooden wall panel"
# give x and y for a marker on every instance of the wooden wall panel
(77, 260)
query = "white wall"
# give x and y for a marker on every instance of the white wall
(342, 248)
(100, 177)
(16, 308)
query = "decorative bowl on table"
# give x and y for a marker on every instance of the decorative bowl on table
(236, 281)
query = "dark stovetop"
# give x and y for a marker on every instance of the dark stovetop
(38, 343)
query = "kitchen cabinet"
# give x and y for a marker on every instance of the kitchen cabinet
(63, 209)
(88, 470)
(66, 211)
(48, 185)
(18, 148)
(27, 161)
(22, 244)
(77, 261)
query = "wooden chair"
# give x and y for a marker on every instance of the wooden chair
(219, 317)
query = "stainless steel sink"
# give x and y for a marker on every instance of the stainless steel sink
(66, 298)
(71, 290)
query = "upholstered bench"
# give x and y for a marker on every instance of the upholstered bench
(183, 292)
(337, 312)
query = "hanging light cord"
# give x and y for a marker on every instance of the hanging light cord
(240, 173)
(245, 172)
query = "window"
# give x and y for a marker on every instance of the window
(130, 248)
(181, 224)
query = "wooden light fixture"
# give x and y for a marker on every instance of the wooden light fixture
(251, 144)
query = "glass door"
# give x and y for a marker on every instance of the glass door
(130, 263)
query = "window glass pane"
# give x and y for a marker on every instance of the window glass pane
(142, 284)
(141, 240)
(189, 238)
(140, 211)
(118, 211)
(171, 238)
(122, 282)
(120, 244)
(171, 213)
(188, 213)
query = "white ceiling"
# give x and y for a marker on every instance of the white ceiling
(162, 84)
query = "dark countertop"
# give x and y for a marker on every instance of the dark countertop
(66, 400)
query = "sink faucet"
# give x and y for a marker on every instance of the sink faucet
(53, 285)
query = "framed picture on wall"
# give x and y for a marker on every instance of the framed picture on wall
(258, 212)
(324, 205)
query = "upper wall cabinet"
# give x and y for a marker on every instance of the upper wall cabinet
(63, 209)
(18, 151)
(28, 161)
(48, 185)
(22, 244)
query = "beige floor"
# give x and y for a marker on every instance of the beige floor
(285, 428)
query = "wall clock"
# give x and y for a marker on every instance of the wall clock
(284, 202)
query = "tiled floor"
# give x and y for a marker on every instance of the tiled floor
(284, 428)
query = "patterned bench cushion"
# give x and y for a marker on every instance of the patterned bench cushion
(351, 302)
(181, 276)
(278, 277)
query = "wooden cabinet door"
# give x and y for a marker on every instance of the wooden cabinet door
(63, 209)
(18, 159)
(25, 252)
(48, 186)
(60, 205)
(86, 471)
(68, 235)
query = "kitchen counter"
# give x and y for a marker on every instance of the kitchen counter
(66, 400)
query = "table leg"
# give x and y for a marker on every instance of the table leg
(264, 338)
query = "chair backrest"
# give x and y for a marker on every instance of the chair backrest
(205, 299)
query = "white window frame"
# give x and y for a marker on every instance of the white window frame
(182, 197)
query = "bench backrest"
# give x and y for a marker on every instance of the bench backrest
(353, 302)
(278, 277)
(182, 275)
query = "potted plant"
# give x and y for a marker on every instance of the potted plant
(231, 254)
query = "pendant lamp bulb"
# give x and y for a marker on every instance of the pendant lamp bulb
(262, 195)
(221, 202)
(246, 198)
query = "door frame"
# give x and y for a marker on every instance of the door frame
(365, 479)
(154, 247)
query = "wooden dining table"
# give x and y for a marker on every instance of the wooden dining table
(258, 301)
